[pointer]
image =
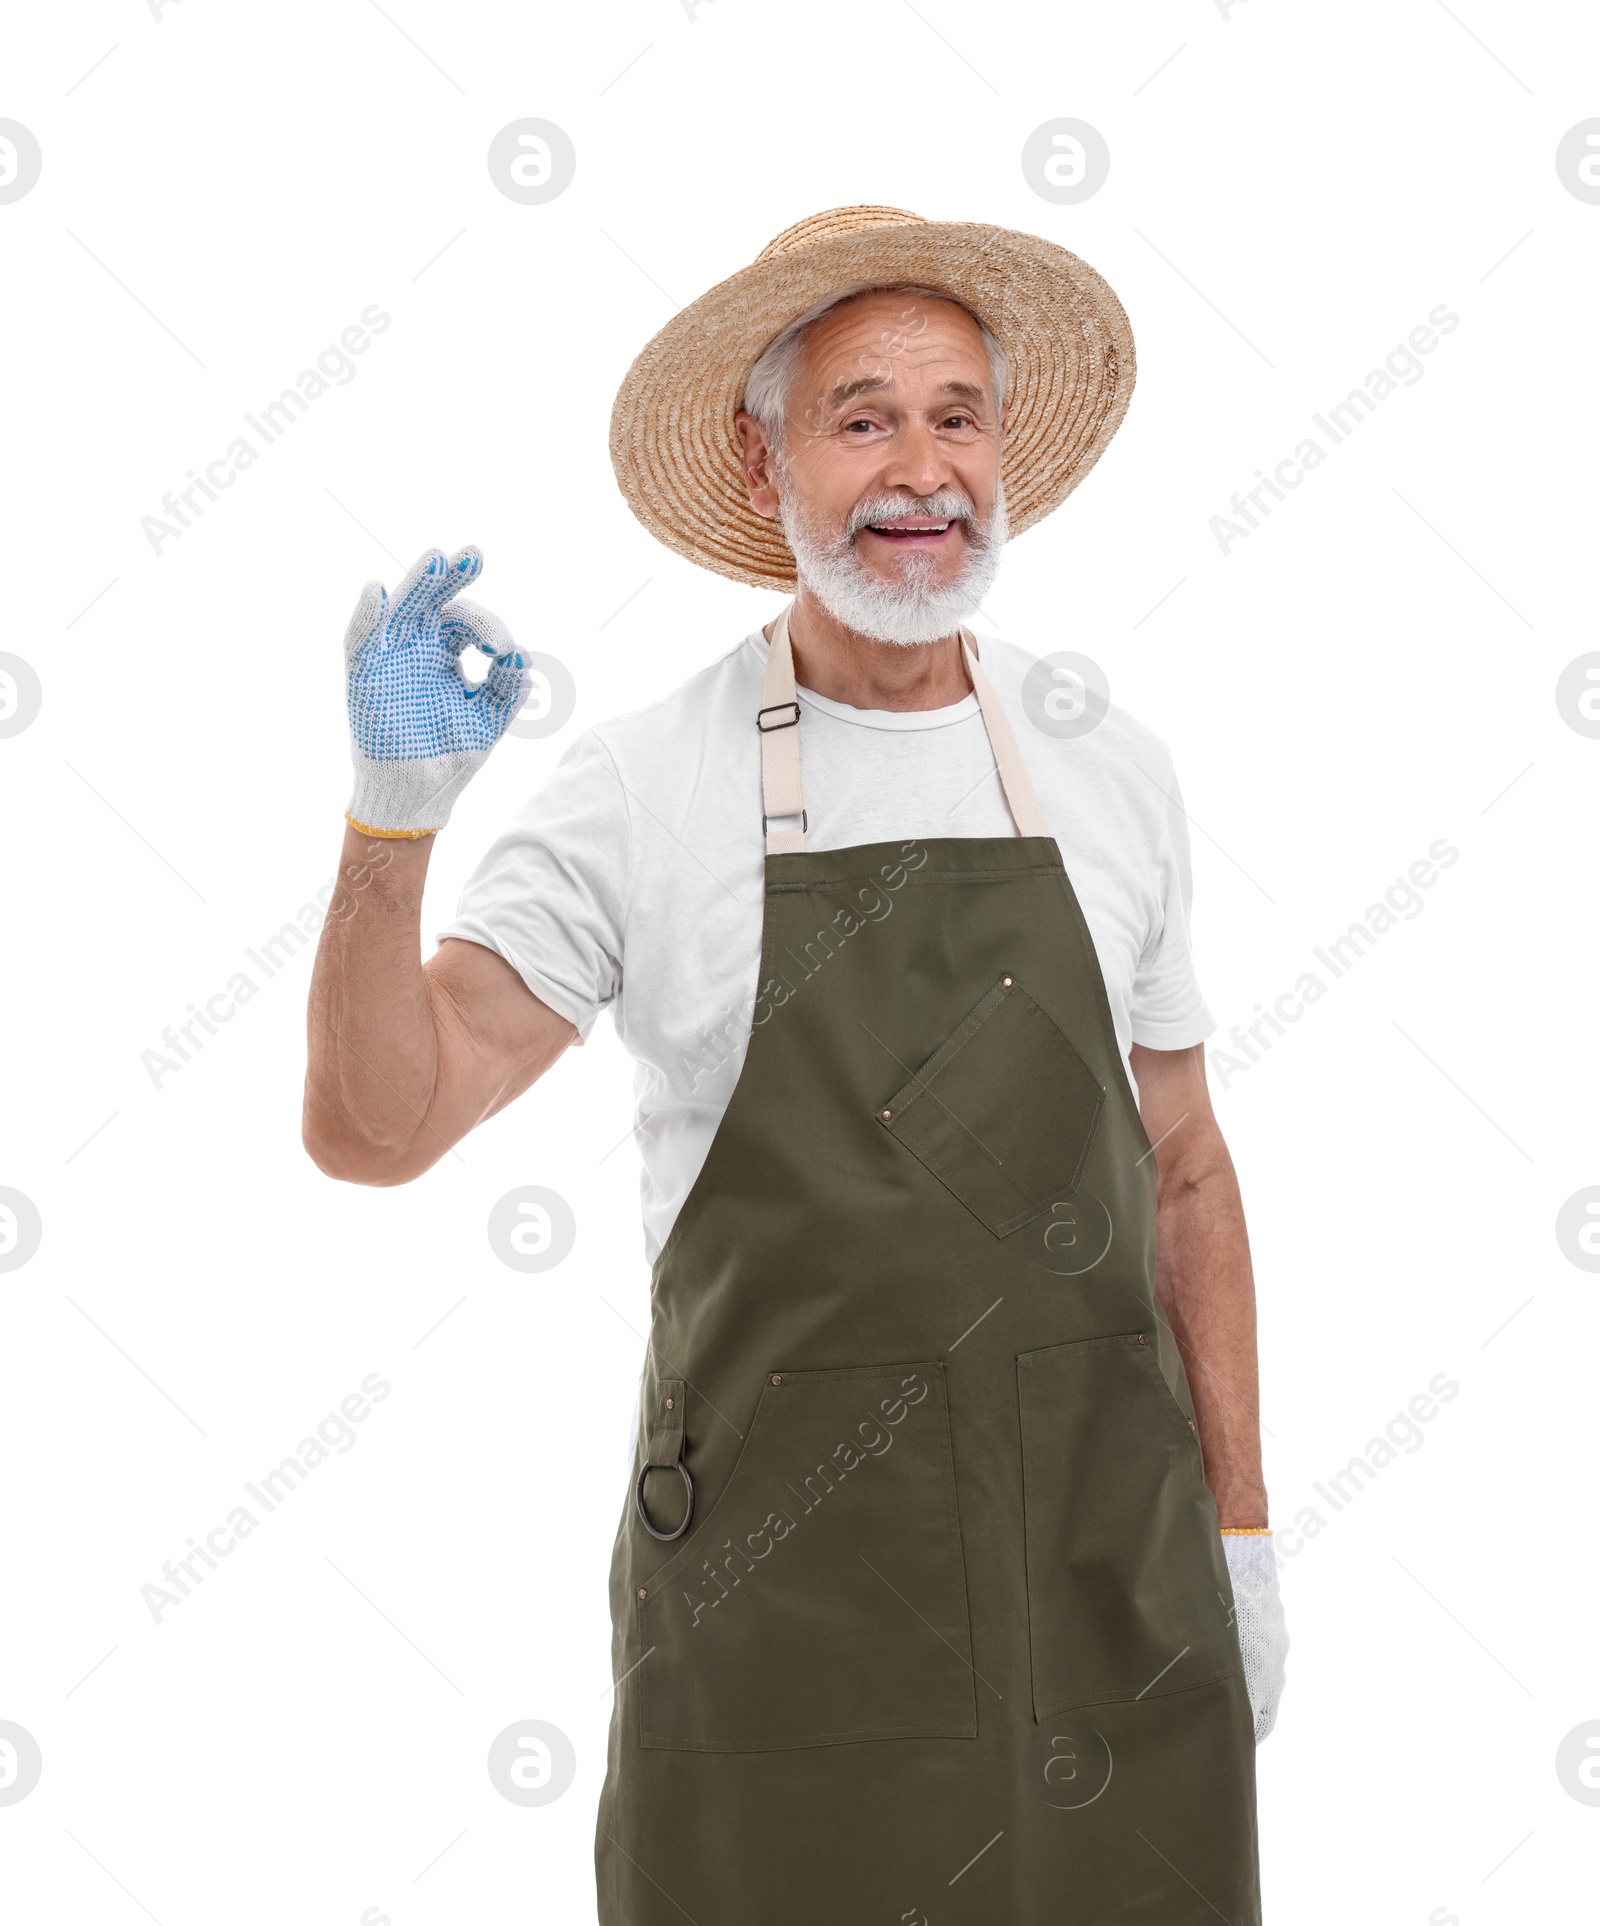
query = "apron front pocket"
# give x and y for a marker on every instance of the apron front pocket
(823, 1598)
(1128, 1591)
(1003, 1112)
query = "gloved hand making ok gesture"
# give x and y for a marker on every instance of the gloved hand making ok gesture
(419, 730)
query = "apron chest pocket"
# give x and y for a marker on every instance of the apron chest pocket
(1003, 1112)
(823, 1599)
(1128, 1591)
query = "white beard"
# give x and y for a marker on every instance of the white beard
(914, 609)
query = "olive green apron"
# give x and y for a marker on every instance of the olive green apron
(920, 1607)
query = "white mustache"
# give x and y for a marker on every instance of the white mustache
(948, 505)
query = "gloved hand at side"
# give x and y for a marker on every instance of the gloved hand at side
(1258, 1615)
(419, 731)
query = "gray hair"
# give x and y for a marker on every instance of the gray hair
(766, 388)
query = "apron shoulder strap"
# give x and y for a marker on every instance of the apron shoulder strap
(782, 800)
(783, 814)
(1021, 797)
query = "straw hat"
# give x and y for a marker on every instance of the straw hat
(673, 445)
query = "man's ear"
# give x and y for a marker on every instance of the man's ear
(759, 463)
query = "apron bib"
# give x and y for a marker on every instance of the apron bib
(920, 1610)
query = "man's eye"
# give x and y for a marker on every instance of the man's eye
(958, 421)
(861, 421)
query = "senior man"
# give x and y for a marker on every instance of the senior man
(943, 1588)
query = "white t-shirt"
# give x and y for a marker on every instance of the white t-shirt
(633, 879)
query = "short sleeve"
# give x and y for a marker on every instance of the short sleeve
(1167, 1011)
(551, 893)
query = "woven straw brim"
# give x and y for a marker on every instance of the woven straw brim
(676, 453)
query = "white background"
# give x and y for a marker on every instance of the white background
(1374, 668)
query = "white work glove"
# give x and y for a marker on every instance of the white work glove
(1258, 1616)
(419, 731)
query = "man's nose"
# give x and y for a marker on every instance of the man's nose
(917, 462)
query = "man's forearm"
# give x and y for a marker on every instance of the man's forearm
(372, 1042)
(1204, 1281)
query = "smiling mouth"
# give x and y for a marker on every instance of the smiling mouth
(913, 530)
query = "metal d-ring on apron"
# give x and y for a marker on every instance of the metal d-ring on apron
(664, 1452)
(666, 1537)
(947, 1569)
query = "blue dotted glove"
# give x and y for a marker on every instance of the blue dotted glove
(419, 731)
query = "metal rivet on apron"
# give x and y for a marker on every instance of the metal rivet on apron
(777, 1379)
(886, 1115)
(669, 1403)
(1191, 1427)
(643, 1593)
(1141, 1337)
(1005, 983)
